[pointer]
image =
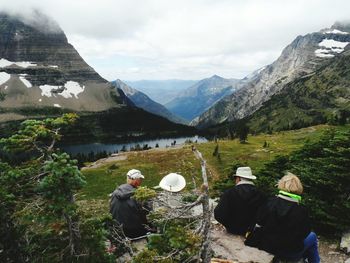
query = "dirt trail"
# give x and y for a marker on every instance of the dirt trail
(112, 158)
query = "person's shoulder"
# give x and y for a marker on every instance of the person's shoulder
(229, 191)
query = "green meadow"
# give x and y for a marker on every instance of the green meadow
(156, 163)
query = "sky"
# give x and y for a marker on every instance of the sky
(183, 39)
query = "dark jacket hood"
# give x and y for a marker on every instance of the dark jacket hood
(124, 191)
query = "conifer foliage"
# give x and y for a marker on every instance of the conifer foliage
(39, 219)
(324, 169)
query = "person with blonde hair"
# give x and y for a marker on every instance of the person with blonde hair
(283, 226)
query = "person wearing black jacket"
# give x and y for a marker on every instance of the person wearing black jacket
(238, 205)
(126, 210)
(282, 225)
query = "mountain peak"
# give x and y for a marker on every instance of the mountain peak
(343, 26)
(39, 68)
(215, 77)
(34, 19)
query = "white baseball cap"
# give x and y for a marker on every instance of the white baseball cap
(173, 182)
(134, 174)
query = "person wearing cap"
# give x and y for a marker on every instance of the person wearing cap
(126, 210)
(238, 205)
(283, 226)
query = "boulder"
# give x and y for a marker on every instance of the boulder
(345, 242)
(231, 248)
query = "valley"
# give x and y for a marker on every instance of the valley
(69, 133)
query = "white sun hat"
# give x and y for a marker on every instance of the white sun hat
(173, 182)
(134, 174)
(245, 172)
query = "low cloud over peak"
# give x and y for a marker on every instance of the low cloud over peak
(183, 39)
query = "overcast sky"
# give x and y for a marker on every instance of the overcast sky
(183, 39)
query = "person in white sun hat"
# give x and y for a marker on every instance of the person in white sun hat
(173, 182)
(126, 210)
(238, 205)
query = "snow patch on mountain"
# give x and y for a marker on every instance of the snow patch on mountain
(4, 77)
(70, 89)
(331, 43)
(335, 31)
(23, 64)
(57, 105)
(25, 81)
(330, 46)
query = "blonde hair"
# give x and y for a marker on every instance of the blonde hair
(291, 184)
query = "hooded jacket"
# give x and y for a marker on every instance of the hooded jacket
(128, 212)
(237, 207)
(282, 225)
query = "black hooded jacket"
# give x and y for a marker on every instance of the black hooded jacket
(128, 212)
(283, 226)
(237, 207)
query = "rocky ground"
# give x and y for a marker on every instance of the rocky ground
(232, 248)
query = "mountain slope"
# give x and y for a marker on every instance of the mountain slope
(322, 97)
(302, 57)
(161, 91)
(199, 97)
(39, 68)
(142, 101)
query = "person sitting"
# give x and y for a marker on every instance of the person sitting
(238, 205)
(283, 226)
(126, 210)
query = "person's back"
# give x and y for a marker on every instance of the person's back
(285, 226)
(126, 210)
(238, 205)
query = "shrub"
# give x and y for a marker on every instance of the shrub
(323, 168)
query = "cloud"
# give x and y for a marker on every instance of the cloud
(157, 39)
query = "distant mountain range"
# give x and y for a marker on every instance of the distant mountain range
(142, 101)
(161, 91)
(193, 101)
(41, 74)
(305, 56)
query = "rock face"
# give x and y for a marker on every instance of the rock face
(202, 95)
(301, 58)
(318, 98)
(39, 68)
(142, 101)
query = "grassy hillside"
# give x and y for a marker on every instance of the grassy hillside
(158, 162)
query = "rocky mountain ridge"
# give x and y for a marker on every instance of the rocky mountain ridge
(300, 58)
(202, 95)
(318, 98)
(39, 68)
(144, 102)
